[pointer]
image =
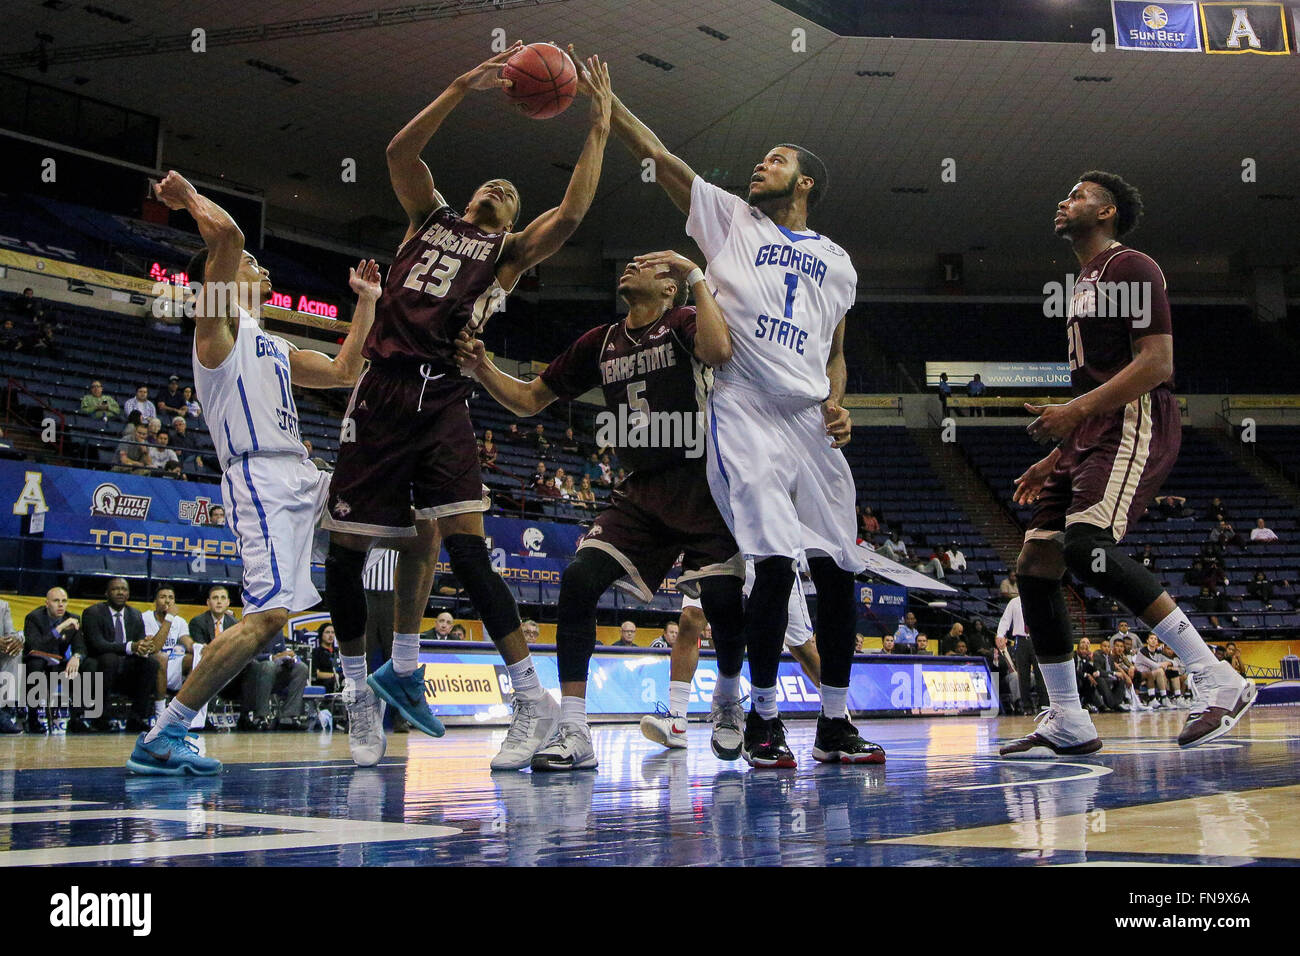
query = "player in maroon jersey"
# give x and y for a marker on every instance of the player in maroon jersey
(1117, 441)
(408, 471)
(653, 367)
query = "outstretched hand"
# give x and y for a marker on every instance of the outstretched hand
(366, 280)
(487, 75)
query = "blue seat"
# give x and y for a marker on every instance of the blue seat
(83, 563)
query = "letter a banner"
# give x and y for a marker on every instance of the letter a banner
(1245, 28)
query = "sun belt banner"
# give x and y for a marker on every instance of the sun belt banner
(1245, 27)
(1169, 27)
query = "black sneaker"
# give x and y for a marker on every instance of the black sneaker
(764, 744)
(837, 741)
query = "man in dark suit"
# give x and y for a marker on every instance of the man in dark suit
(1109, 675)
(248, 683)
(114, 637)
(52, 644)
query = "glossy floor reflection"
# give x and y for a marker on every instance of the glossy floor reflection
(943, 799)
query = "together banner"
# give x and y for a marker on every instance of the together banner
(1216, 26)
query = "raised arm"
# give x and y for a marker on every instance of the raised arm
(412, 181)
(217, 305)
(712, 337)
(522, 398)
(312, 369)
(544, 236)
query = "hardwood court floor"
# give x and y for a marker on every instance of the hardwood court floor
(943, 799)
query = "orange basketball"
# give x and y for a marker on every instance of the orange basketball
(543, 80)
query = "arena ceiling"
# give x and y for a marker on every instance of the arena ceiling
(1021, 120)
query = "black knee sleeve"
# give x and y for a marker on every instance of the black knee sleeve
(583, 582)
(345, 594)
(836, 617)
(766, 615)
(1093, 556)
(472, 565)
(723, 601)
(1046, 617)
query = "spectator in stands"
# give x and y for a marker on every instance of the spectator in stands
(977, 636)
(933, 565)
(95, 404)
(1121, 633)
(895, 548)
(10, 338)
(945, 391)
(487, 451)
(568, 490)
(586, 497)
(160, 455)
(592, 468)
(173, 470)
(171, 400)
(133, 453)
(29, 306)
(139, 402)
(1087, 678)
(958, 650)
(975, 389)
(1173, 506)
(956, 560)
(285, 676)
(1210, 600)
(457, 633)
(1261, 533)
(949, 641)
(115, 639)
(619, 477)
(512, 436)
(626, 635)
(441, 630)
(184, 443)
(532, 633)
(543, 486)
(216, 517)
(154, 426)
(1233, 656)
(558, 480)
(1148, 558)
(132, 419)
(606, 471)
(1224, 535)
(905, 634)
(886, 645)
(668, 638)
(1261, 589)
(52, 644)
(922, 643)
(192, 407)
(570, 442)
(1218, 511)
(868, 523)
(1009, 587)
(325, 660)
(538, 441)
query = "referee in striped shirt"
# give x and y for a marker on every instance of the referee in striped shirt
(377, 579)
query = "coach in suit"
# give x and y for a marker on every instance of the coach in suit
(247, 685)
(52, 644)
(113, 633)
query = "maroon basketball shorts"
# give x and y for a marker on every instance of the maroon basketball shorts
(653, 519)
(406, 451)
(1110, 469)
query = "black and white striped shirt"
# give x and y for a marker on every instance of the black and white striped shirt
(380, 566)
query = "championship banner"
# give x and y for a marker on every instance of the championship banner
(473, 687)
(1000, 374)
(1246, 27)
(1166, 27)
(881, 605)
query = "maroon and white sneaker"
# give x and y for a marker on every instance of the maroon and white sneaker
(1222, 696)
(1060, 733)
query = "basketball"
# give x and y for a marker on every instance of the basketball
(544, 80)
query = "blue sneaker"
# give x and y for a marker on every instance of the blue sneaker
(170, 754)
(407, 695)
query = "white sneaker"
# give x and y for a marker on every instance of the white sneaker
(1222, 697)
(569, 749)
(665, 729)
(1060, 733)
(1182, 703)
(531, 726)
(728, 737)
(365, 724)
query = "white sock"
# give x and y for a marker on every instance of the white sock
(573, 711)
(1062, 685)
(406, 654)
(764, 699)
(727, 688)
(354, 668)
(176, 713)
(835, 701)
(523, 678)
(1179, 633)
(679, 696)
